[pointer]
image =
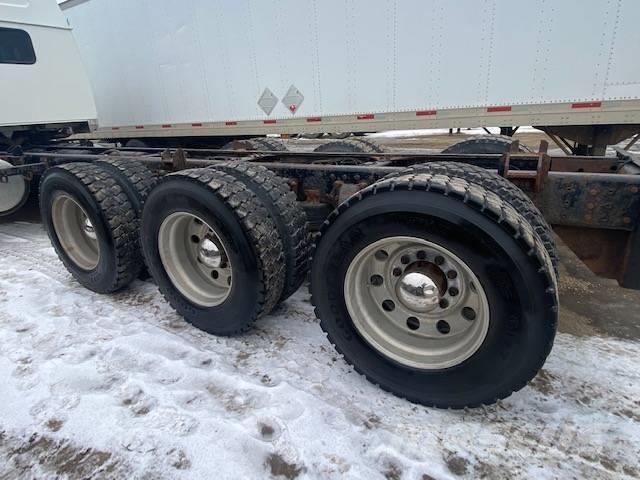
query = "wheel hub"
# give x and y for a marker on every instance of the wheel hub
(89, 230)
(209, 253)
(76, 233)
(195, 259)
(416, 302)
(418, 291)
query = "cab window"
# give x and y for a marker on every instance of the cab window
(16, 47)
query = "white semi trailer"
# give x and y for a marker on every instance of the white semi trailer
(165, 70)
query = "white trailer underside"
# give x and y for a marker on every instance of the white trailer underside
(199, 67)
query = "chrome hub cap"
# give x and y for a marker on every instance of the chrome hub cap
(75, 231)
(416, 302)
(209, 253)
(195, 259)
(89, 231)
(418, 291)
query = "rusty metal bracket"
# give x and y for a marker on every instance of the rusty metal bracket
(176, 159)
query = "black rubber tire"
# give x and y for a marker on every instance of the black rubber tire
(137, 181)
(272, 144)
(484, 144)
(112, 216)
(136, 143)
(290, 218)
(310, 136)
(372, 145)
(135, 178)
(263, 144)
(250, 237)
(492, 238)
(339, 136)
(344, 146)
(501, 187)
(248, 144)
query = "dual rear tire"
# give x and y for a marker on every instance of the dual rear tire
(92, 225)
(234, 231)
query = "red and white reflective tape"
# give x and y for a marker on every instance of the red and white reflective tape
(501, 108)
(596, 104)
(586, 105)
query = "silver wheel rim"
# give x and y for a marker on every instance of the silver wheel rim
(194, 257)
(75, 232)
(416, 302)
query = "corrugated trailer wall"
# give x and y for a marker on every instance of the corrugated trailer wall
(166, 62)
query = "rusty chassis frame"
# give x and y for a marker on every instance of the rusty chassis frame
(593, 203)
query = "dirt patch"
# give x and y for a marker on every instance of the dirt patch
(635, 416)
(392, 472)
(39, 453)
(593, 306)
(456, 464)
(372, 422)
(266, 431)
(179, 460)
(279, 467)
(543, 382)
(241, 358)
(135, 299)
(54, 424)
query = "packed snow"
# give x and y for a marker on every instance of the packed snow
(121, 386)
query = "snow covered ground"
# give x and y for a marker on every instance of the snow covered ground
(120, 386)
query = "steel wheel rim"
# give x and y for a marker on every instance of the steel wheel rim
(194, 257)
(416, 302)
(76, 234)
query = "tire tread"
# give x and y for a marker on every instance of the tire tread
(259, 227)
(290, 219)
(119, 216)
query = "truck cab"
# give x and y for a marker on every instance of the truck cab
(44, 89)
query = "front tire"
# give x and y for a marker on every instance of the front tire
(490, 242)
